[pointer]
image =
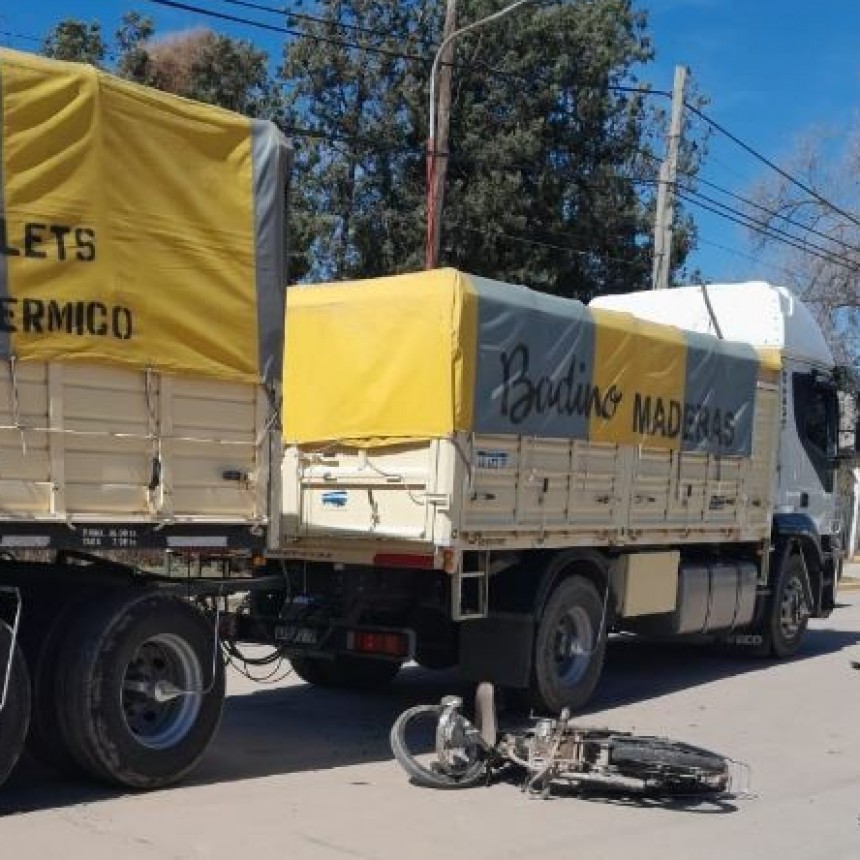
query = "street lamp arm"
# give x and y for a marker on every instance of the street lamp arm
(445, 42)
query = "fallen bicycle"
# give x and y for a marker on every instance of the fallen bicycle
(553, 752)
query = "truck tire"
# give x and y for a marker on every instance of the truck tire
(570, 645)
(15, 716)
(45, 741)
(312, 670)
(784, 627)
(346, 672)
(139, 700)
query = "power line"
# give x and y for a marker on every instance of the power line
(272, 28)
(25, 36)
(717, 208)
(772, 212)
(303, 16)
(754, 205)
(777, 235)
(495, 234)
(772, 165)
(754, 222)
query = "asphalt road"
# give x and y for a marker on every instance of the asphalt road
(299, 773)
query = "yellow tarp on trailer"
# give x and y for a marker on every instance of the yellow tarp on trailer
(136, 227)
(384, 359)
(430, 354)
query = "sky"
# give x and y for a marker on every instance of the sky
(772, 69)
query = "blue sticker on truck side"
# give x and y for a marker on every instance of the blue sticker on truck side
(492, 459)
(335, 498)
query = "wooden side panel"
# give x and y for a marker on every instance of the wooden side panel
(91, 442)
(366, 494)
(492, 491)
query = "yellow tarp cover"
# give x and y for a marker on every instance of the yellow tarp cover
(128, 224)
(429, 354)
(389, 358)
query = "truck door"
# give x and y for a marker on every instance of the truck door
(808, 445)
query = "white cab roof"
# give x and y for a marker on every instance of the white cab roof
(754, 312)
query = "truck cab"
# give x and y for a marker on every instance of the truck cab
(817, 434)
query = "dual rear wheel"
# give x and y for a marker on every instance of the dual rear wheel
(15, 714)
(129, 689)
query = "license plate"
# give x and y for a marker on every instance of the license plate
(295, 635)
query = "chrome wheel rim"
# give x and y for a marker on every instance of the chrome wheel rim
(792, 609)
(162, 691)
(573, 644)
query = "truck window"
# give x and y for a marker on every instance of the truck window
(815, 416)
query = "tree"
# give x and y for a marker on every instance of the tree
(197, 63)
(131, 39)
(822, 265)
(76, 41)
(209, 67)
(358, 185)
(551, 167)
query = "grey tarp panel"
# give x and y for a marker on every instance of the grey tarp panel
(535, 354)
(271, 156)
(719, 396)
(536, 376)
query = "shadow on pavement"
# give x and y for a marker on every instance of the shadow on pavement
(638, 670)
(290, 729)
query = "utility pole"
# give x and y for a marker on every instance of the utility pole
(437, 148)
(437, 143)
(665, 213)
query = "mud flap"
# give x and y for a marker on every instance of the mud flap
(498, 649)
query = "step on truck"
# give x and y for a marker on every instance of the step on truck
(433, 467)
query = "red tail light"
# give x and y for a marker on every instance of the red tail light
(395, 559)
(375, 642)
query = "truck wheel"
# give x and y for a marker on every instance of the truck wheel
(346, 671)
(15, 716)
(364, 673)
(45, 740)
(140, 700)
(789, 614)
(312, 670)
(570, 645)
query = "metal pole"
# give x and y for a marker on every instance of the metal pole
(434, 211)
(665, 212)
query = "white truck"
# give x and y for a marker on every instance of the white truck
(508, 476)
(435, 467)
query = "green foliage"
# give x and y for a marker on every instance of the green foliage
(76, 41)
(131, 38)
(550, 175)
(358, 187)
(198, 64)
(551, 167)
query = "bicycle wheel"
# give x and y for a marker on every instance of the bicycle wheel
(669, 765)
(461, 764)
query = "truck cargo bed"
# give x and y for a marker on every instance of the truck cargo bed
(494, 491)
(85, 446)
(450, 412)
